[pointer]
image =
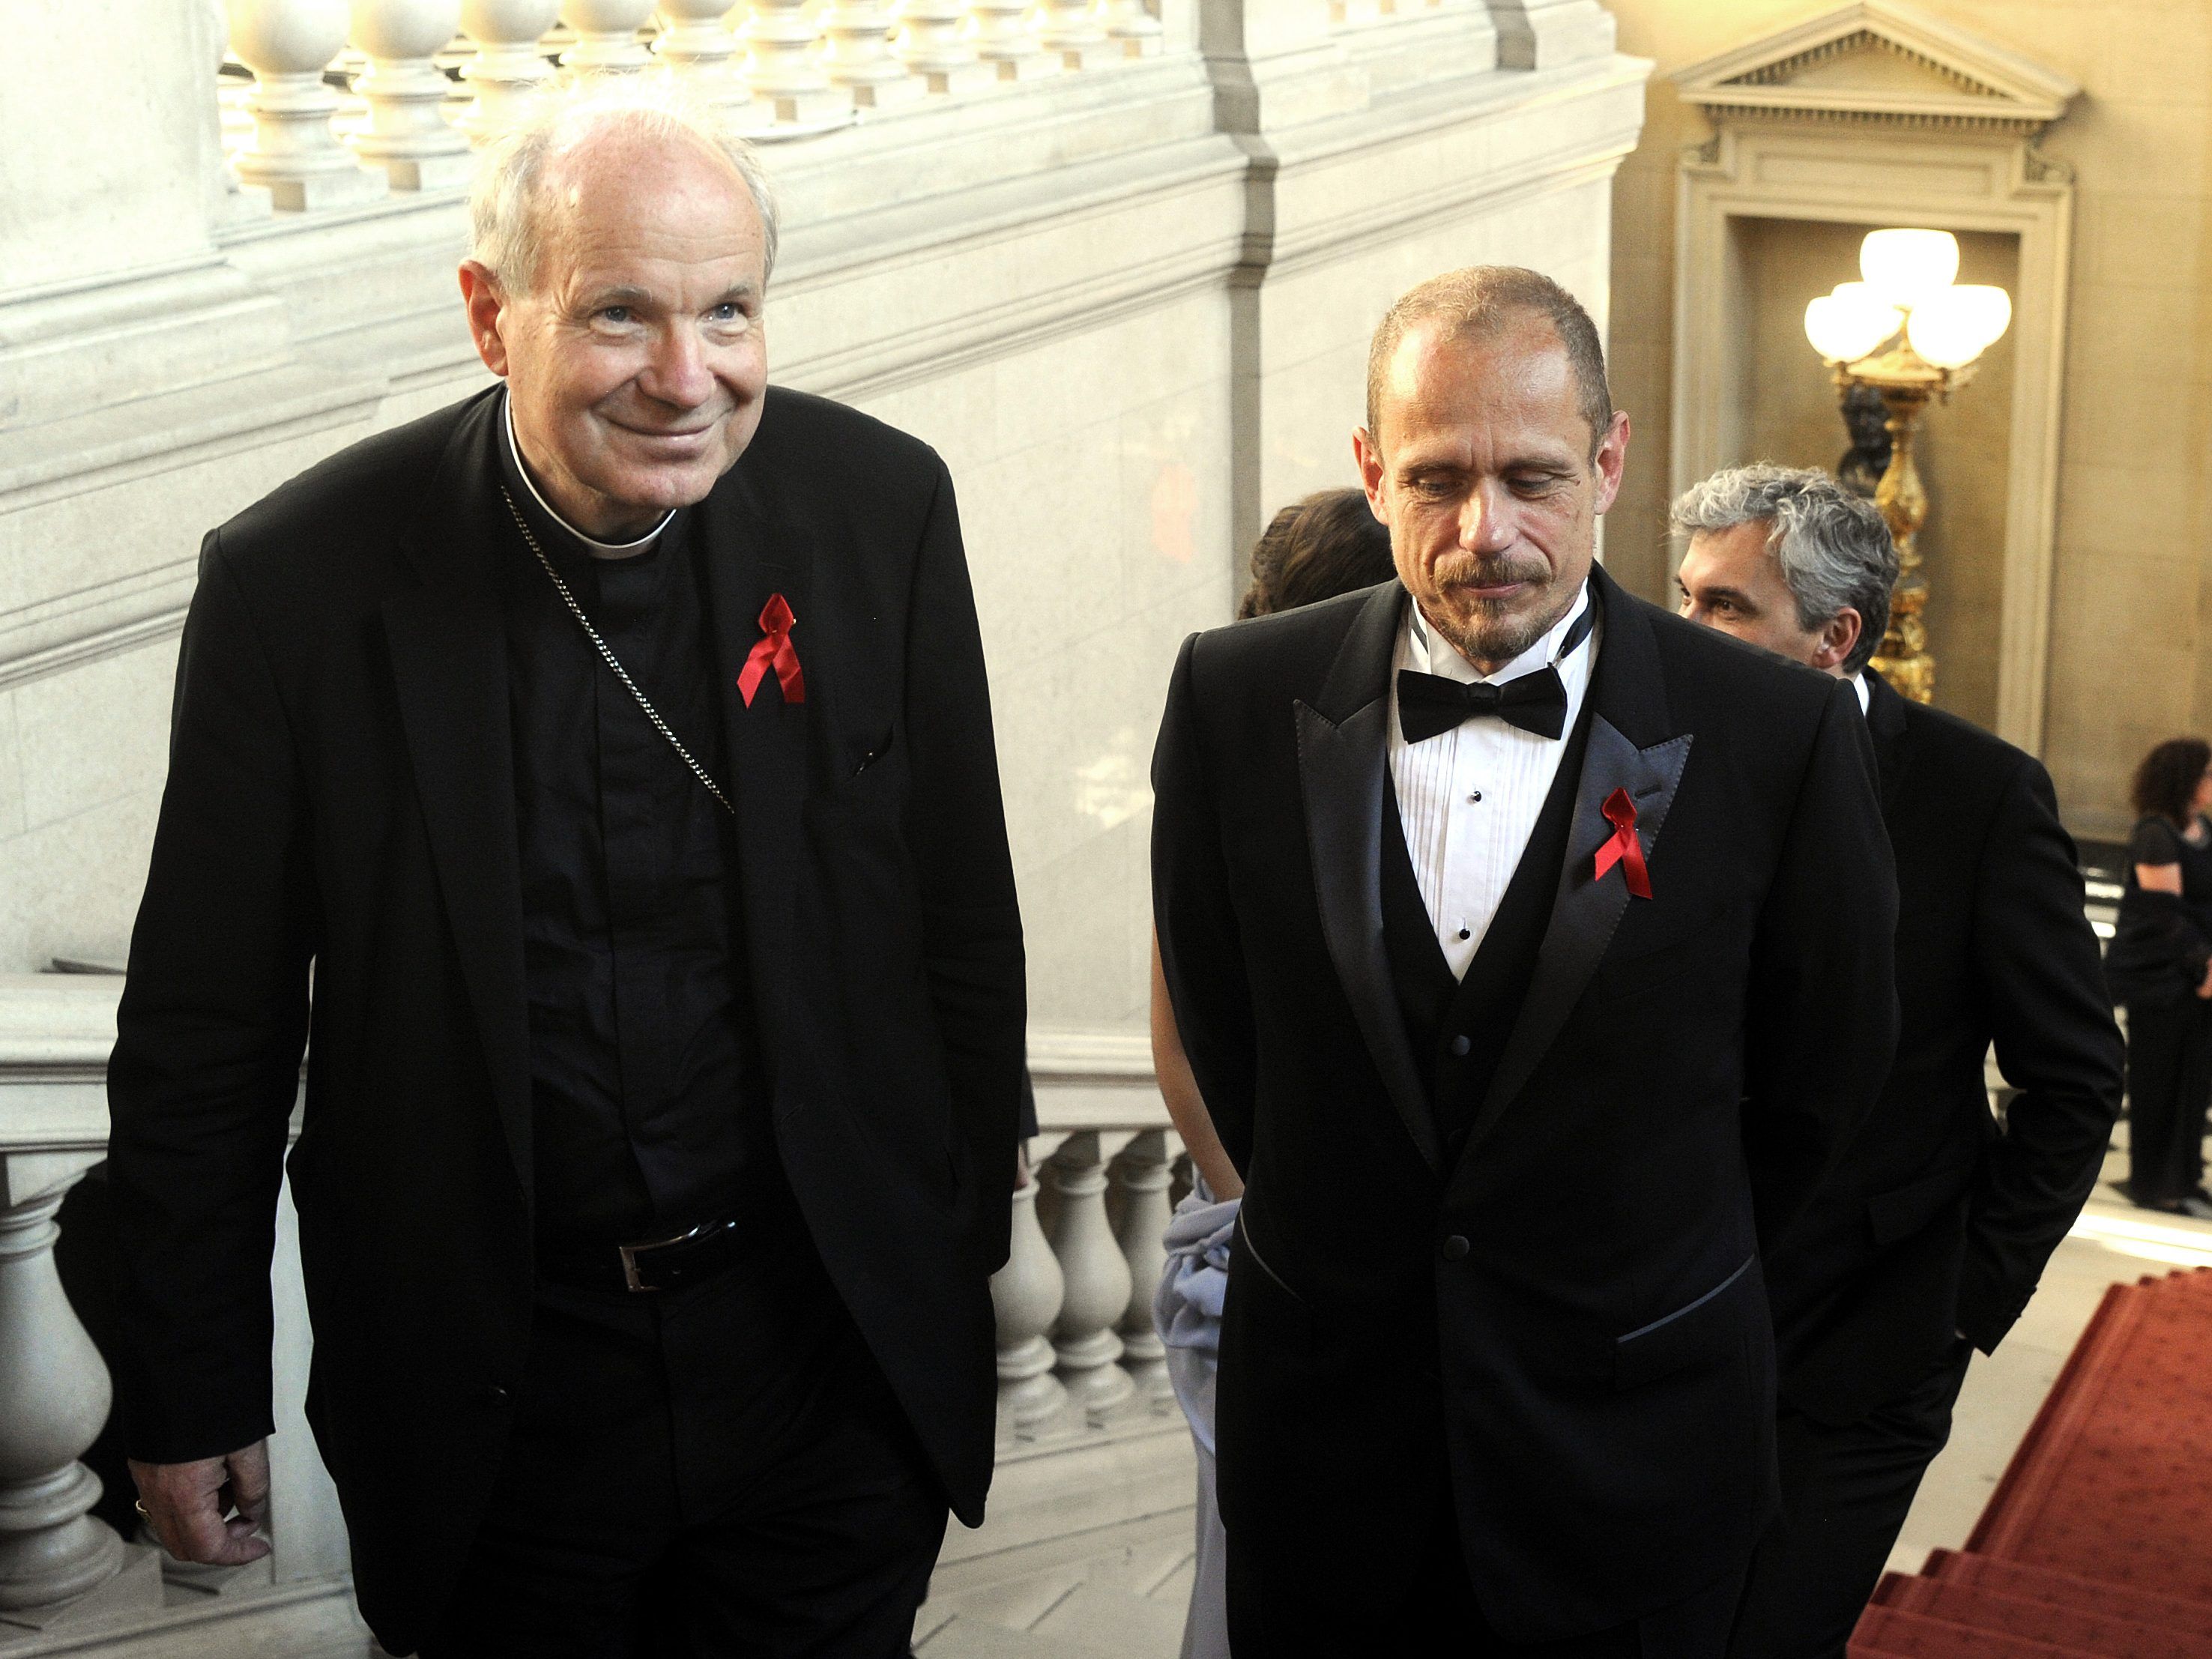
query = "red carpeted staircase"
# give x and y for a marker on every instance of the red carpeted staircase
(2098, 1542)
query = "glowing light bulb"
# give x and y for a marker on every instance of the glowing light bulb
(1905, 267)
(1844, 326)
(1955, 326)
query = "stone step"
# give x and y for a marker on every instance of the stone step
(1131, 1626)
(962, 1637)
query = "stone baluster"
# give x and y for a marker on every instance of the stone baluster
(606, 36)
(1183, 1181)
(510, 66)
(1070, 27)
(295, 156)
(408, 135)
(700, 49)
(1005, 39)
(1026, 1298)
(1137, 1199)
(1132, 27)
(783, 73)
(860, 57)
(936, 48)
(58, 1564)
(1097, 1275)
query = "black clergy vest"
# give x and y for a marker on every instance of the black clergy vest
(1483, 1006)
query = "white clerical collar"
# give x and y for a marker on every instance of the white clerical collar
(592, 545)
(1442, 657)
(1866, 692)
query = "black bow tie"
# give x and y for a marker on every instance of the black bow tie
(1430, 705)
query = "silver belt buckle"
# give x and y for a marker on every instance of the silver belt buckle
(629, 1254)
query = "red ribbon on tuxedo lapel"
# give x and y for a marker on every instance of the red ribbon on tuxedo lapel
(1623, 848)
(774, 650)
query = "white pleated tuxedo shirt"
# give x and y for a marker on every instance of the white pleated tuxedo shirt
(1469, 797)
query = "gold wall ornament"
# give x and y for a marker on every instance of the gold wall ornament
(1934, 328)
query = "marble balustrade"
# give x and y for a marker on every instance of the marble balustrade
(328, 104)
(1078, 1361)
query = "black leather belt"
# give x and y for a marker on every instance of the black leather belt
(663, 1264)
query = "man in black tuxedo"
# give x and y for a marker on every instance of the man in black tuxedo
(613, 747)
(1927, 1240)
(1500, 929)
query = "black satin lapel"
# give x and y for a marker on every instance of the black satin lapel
(748, 557)
(1586, 909)
(1360, 672)
(448, 650)
(1343, 769)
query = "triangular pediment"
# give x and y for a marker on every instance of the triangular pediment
(1882, 61)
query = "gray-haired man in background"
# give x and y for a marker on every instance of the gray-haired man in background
(1929, 1236)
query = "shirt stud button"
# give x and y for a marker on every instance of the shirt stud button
(1460, 1045)
(1465, 934)
(1477, 795)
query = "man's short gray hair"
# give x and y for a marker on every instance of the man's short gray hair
(508, 230)
(1834, 546)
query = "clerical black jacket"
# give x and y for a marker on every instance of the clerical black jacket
(342, 796)
(1536, 1306)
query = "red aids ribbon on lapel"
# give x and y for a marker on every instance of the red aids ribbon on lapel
(1623, 848)
(774, 651)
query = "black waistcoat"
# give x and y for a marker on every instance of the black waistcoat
(1482, 1005)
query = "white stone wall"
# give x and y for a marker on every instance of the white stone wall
(1129, 306)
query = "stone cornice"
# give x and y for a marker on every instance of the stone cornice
(1802, 74)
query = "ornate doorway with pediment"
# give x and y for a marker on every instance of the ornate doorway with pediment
(1871, 115)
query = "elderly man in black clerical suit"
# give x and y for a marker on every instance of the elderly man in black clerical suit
(1928, 1240)
(1531, 951)
(599, 772)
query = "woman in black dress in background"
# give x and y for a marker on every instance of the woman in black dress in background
(2160, 968)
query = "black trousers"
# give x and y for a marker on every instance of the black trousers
(718, 1470)
(1286, 1614)
(2169, 1086)
(1844, 1493)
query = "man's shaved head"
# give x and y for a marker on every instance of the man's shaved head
(1477, 301)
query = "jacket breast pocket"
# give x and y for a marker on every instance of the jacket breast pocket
(1703, 1331)
(861, 758)
(1633, 967)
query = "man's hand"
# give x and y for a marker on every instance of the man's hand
(208, 1511)
(2204, 989)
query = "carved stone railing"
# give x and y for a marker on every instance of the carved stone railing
(1076, 1346)
(330, 104)
(1079, 1367)
(69, 1581)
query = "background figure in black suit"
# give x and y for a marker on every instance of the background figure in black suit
(1521, 1033)
(660, 1105)
(1927, 1239)
(2159, 967)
